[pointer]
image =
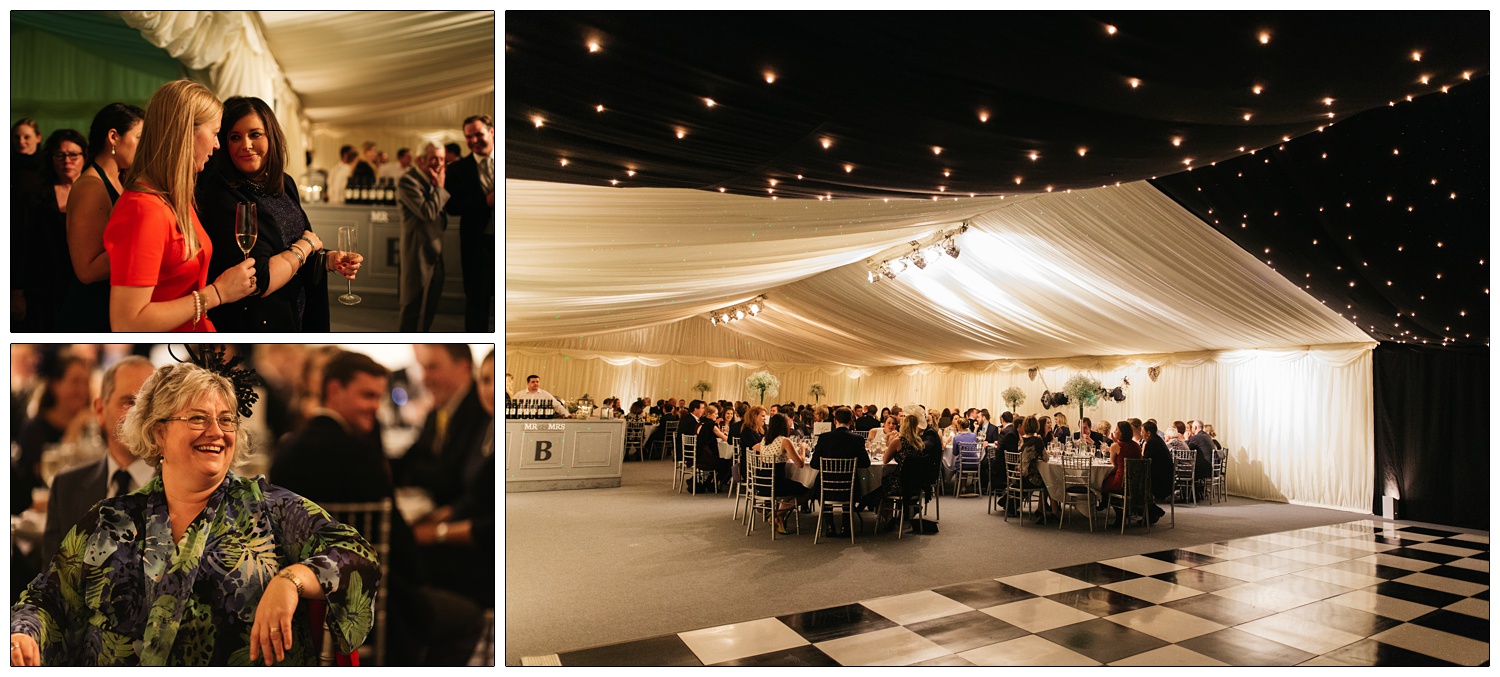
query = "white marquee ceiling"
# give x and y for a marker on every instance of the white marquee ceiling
(403, 65)
(1109, 271)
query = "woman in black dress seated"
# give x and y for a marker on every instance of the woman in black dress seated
(291, 287)
(778, 445)
(918, 450)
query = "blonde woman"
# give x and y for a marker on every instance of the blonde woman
(158, 250)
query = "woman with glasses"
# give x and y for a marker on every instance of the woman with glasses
(40, 237)
(158, 250)
(199, 566)
(112, 138)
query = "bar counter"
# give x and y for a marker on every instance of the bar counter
(555, 454)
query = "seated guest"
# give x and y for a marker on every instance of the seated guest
(962, 436)
(118, 473)
(1159, 433)
(1140, 432)
(805, 420)
(1010, 439)
(688, 426)
(867, 421)
(710, 434)
(841, 442)
(1033, 452)
(1104, 430)
(1045, 422)
(220, 588)
(1201, 443)
(751, 433)
(1124, 447)
(637, 413)
(341, 442)
(1181, 428)
(435, 462)
(63, 411)
(945, 419)
(918, 450)
(1175, 442)
(885, 413)
(1161, 468)
(779, 446)
(1218, 448)
(985, 431)
(1086, 435)
(1060, 430)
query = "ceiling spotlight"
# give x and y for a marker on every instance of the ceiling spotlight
(1416, 56)
(739, 314)
(593, 46)
(724, 317)
(984, 116)
(937, 150)
(1328, 101)
(870, 275)
(1265, 37)
(1034, 155)
(887, 271)
(848, 168)
(1247, 117)
(1423, 79)
(1082, 151)
(826, 142)
(1110, 30)
(1134, 82)
(1177, 141)
(564, 162)
(1256, 89)
(1467, 74)
(919, 260)
(770, 77)
(599, 108)
(681, 132)
(950, 246)
(710, 103)
(537, 120)
(713, 320)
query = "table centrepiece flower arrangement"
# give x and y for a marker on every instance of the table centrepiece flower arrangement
(1085, 390)
(817, 391)
(1013, 398)
(763, 383)
(702, 387)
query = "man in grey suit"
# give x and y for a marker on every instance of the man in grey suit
(75, 491)
(421, 197)
(1204, 445)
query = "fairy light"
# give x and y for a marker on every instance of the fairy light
(630, 172)
(599, 108)
(937, 150)
(1328, 101)
(681, 132)
(710, 103)
(1423, 79)
(1177, 141)
(1247, 117)
(537, 120)
(1082, 151)
(593, 46)
(984, 116)
(1416, 56)
(827, 142)
(564, 162)
(1265, 37)
(1110, 29)
(1256, 89)
(848, 168)
(769, 76)
(1134, 83)
(1033, 156)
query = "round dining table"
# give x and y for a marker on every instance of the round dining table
(1052, 474)
(866, 480)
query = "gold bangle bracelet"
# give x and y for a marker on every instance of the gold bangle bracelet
(287, 574)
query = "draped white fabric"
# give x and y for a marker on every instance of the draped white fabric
(229, 49)
(1108, 271)
(1298, 423)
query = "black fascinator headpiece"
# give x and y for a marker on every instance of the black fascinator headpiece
(213, 358)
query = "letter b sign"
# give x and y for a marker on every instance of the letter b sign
(543, 450)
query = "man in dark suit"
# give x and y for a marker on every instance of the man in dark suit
(687, 425)
(471, 186)
(1162, 471)
(75, 491)
(436, 461)
(868, 421)
(1203, 444)
(338, 457)
(1087, 433)
(840, 443)
(985, 431)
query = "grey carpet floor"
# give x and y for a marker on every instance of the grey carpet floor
(591, 567)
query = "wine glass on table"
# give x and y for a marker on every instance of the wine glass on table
(347, 244)
(246, 226)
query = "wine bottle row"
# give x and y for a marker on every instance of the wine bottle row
(528, 409)
(366, 192)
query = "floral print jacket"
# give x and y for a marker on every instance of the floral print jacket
(120, 592)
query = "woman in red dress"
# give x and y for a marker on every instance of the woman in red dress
(1123, 448)
(158, 251)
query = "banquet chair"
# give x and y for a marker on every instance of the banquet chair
(688, 470)
(373, 521)
(1185, 464)
(1218, 486)
(760, 474)
(635, 438)
(1076, 487)
(1135, 492)
(968, 460)
(322, 636)
(836, 490)
(667, 438)
(736, 475)
(1014, 488)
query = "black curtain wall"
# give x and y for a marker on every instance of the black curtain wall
(1432, 433)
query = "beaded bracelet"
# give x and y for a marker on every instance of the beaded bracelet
(197, 308)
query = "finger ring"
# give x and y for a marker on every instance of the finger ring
(275, 630)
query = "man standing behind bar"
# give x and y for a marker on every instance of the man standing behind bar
(421, 198)
(473, 188)
(118, 473)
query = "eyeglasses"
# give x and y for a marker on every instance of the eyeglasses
(67, 156)
(227, 424)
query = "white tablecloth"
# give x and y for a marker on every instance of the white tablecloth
(1052, 474)
(866, 480)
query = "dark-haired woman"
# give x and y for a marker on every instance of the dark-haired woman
(112, 137)
(61, 412)
(291, 271)
(1123, 448)
(41, 235)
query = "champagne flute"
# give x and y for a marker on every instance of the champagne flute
(246, 226)
(347, 244)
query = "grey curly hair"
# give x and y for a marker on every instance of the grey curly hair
(167, 391)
